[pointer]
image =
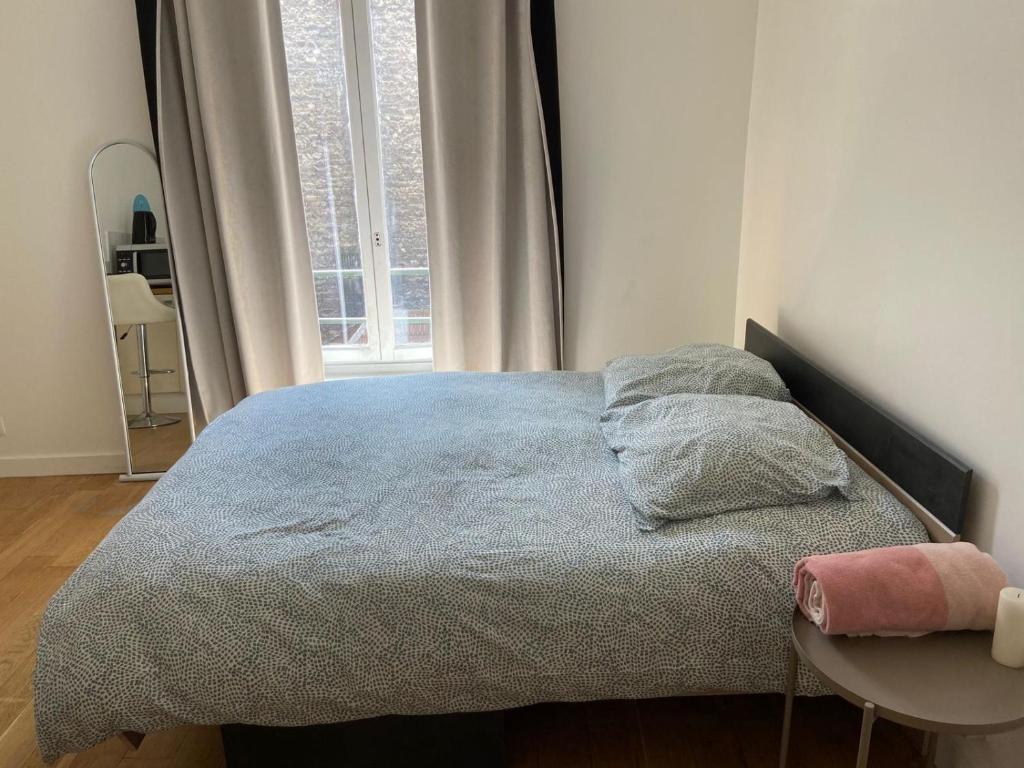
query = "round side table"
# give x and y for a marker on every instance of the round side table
(943, 682)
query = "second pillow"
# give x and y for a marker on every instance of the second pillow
(702, 369)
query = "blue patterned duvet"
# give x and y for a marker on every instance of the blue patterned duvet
(419, 544)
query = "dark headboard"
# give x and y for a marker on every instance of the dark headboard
(928, 474)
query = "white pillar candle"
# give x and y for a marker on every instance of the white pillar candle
(1008, 639)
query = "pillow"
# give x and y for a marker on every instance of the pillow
(687, 456)
(707, 369)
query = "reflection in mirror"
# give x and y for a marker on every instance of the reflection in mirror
(138, 270)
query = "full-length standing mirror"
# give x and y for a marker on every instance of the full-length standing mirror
(137, 265)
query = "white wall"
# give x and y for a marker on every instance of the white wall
(883, 226)
(654, 104)
(70, 80)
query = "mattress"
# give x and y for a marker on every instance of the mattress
(419, 544)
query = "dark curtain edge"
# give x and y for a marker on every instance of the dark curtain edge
(146, 18)
(545, 53)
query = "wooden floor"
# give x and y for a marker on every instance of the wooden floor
(155, 449)
(48, 525)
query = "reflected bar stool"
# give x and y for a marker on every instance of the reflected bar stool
(943, 682)
(133, 303)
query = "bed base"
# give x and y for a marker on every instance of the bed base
(132, 738)
(463, 740)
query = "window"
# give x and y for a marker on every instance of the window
(355, 105)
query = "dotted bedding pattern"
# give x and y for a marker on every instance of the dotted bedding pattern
(707, 369)
(419, 544)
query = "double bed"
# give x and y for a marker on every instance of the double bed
(430, 544)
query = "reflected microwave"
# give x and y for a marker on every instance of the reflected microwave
(153, 262)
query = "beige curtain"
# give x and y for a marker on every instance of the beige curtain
(495, 277)
(234, 204)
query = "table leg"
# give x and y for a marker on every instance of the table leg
(865, 734)
(787, 716)
(933, 745)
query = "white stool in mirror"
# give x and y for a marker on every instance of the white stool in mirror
(132, 303)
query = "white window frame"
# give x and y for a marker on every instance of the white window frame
(361, 94)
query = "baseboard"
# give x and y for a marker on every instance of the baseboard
(62, 464)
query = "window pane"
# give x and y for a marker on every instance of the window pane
(398, 105)
(316, 80)
(343, 332)
(416, 331)
(339, 294)
(410, 293)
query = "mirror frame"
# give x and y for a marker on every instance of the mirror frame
(129, 474)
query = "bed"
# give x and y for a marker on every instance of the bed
(433, 544)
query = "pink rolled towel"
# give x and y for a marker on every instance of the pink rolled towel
(907, 590)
